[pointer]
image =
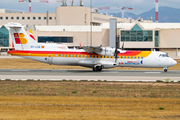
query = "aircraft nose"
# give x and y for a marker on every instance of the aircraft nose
(174, 62)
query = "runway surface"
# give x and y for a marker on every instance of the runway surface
(109, 75)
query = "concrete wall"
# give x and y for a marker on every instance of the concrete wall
(78, 37)
(67, 15)
(100, 18)
(73, 15)
(171, 52)
(137, 44)
(105, 37)
(26, 21)
(169, 38)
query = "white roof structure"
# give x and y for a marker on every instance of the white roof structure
(10, 11)
(86, 28)
(160, 25)
(80, 28)
(150, 25)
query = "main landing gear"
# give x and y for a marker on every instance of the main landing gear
(97, 68)
(165, 70)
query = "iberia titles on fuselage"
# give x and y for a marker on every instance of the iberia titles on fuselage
(97, 58)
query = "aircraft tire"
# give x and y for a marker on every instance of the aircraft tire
(165, 70)
(94, 69)
(99, 68)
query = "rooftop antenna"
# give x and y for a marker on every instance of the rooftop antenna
(64, 3)
(81, 3)
(72, 2)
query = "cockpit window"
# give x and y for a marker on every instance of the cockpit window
(163, 55)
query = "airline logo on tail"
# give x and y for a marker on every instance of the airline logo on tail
(31, 34)
(20, 38)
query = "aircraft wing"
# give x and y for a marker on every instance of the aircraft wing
(92, 49)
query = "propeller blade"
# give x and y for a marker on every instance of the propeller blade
(122, 46)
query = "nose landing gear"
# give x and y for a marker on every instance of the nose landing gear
(165, 70)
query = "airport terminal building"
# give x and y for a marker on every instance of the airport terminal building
(71, 26)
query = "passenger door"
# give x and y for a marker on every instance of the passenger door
(50, 59)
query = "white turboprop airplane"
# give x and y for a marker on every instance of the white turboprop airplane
(96, 58)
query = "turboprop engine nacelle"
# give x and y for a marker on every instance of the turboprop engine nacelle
(108, 51)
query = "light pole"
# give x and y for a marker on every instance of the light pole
(91, 23)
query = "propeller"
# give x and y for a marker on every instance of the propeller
(116, 55)
(122, 46)
(116, 52)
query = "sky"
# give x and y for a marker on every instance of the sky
(139, 6)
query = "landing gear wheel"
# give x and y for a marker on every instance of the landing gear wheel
(98, 68)
(165, 70)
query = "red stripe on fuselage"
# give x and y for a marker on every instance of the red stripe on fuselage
(51, 52)
(128, 53)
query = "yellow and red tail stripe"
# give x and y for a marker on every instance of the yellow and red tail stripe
(31, 34)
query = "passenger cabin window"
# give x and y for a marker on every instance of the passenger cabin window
(28, 18)
(17, 18)
(22, 18)
(12, 18)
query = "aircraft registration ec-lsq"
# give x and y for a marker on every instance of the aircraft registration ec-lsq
(97, 58)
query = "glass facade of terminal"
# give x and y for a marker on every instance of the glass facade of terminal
(55, 39)
(4, 37)
(136, 34)
(156, 38)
